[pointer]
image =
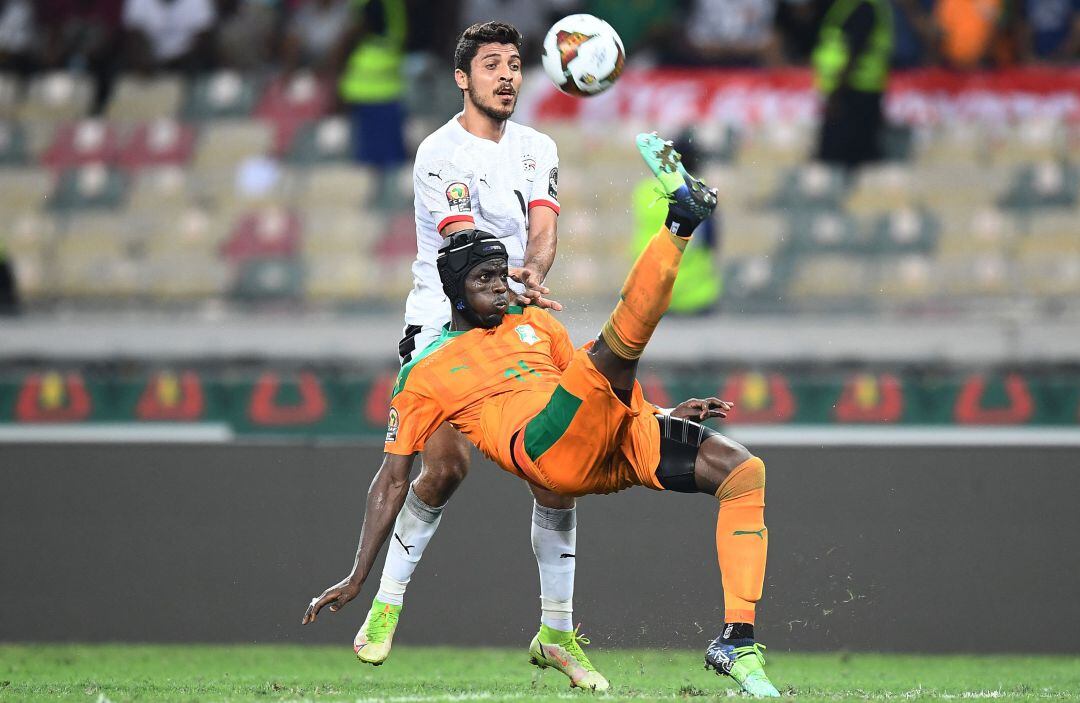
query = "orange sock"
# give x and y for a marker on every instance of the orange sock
(742, 541)
(645, 296)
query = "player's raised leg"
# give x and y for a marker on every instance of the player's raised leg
(646, 294)
(445, 464)
(558, 644)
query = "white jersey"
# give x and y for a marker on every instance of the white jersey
(459, 177)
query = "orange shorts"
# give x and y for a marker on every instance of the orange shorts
(586, 440)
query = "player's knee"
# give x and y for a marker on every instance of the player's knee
(718, 456)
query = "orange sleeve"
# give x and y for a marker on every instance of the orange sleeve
(413, 418)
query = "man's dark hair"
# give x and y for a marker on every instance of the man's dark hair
(481, 33)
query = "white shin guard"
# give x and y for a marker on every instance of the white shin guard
(554, 542)
(413, 529)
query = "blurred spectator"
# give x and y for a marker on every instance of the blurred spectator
(798, 22)
(170, 35)
(312, 33)
(852, 65)
(85, 34)
(9, 297)
(698, 285)
(246, 33)
(915, 35)
(531, 17)
(967, 29)
(373, 88)
(642, 25)
(729, 33)
(17, 36)
(1050, 30)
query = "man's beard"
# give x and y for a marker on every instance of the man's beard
(495, 113)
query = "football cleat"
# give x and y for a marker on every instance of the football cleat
(562, 651)
(689, 198)
(372, 642)
(745, 664)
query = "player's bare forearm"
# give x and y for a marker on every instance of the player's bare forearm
(385, 497)
(543, 241)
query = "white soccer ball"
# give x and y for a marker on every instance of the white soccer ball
(583, 55)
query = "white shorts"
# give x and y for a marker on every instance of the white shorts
(414, 340)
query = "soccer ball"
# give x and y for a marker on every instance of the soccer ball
(583, 55)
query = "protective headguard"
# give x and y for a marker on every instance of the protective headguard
(461, 253)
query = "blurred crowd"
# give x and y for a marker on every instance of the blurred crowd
(108, 37)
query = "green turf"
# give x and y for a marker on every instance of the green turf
(102, 673)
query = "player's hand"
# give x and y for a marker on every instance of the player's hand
(535, 290)
(699, 409)
(336, 597)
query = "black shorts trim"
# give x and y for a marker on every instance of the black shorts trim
(407, 346)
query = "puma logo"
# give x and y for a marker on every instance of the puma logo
(404, 546)
(435, 175)
(567, 556)
(760, 533)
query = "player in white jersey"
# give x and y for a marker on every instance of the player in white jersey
(478, 171)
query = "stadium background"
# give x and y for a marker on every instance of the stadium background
(201, 266)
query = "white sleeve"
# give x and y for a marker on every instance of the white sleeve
(133, 14)
(445, 190)
(204, 14)
(545, 189)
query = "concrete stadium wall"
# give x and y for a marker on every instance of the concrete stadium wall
(912, 549)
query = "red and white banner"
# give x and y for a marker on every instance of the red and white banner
(668, 98)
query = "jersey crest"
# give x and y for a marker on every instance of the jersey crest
(457, 197)
(527, 334)
(392, 425)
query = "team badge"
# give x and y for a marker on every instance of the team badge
(392, 425)
(528, 163)
(553, 182)
(457, 197)
(527, 334)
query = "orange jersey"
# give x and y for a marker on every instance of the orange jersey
(487, 383)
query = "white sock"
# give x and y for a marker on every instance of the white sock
(554, 542)
(413, 529)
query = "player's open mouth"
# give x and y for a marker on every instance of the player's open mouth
(501, 303)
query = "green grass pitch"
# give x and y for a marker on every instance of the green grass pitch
(100, 673)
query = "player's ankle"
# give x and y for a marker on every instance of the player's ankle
(551, 635)
(738, 634)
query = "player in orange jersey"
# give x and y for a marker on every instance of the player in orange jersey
(575, 421)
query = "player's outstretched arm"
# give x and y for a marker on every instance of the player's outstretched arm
(384, 500)
(700, 409)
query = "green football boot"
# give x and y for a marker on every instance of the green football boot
(561, 650)
(745, 664)
(689, 198)
(372, 642)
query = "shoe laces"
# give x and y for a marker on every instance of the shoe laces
(382, 624)
(573, 647)
(756, 649)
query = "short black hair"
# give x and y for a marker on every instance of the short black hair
(479, 34)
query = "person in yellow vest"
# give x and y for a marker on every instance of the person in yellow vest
(851, 64)
(372, 87)
(699, 284)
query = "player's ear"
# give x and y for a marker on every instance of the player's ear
(461, 79)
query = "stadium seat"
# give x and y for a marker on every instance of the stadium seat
(813, 186)
(1034, 139)
(906, 279)
(272, 232)
(56, 97)
(186, 277)
(29, 233)
(958, 186)
(986, 232)
(161, 189)
(163, 142)
(226, 94)
(835, 278)
(776, 144)
(959, 143)
(982, 276)
(320, 142)
(825, 232)
(904, 231)
(1053, 274)
(24, 188)
(881, 187)
(1048, 184)
(193, 232)
(9, 96)
(338, 186)
(268, 280)
(751, 234)
(290, 102)
(138, 99)
(342, 278)
(756, 284)
(350, 231)
(80, 143)
(94, 186)
(224, 144)
(12, 144)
